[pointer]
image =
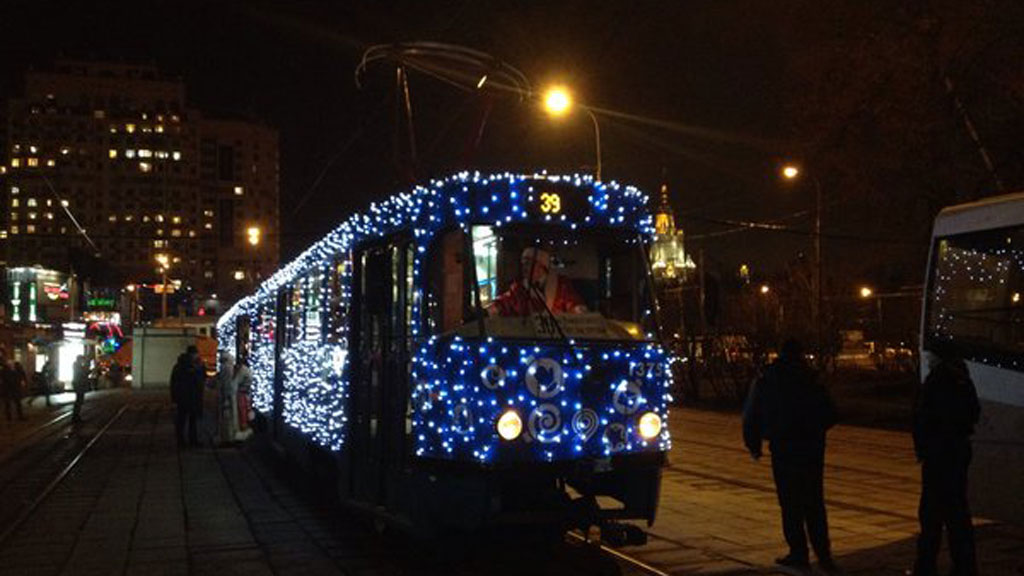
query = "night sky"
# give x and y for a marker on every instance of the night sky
(696, 89)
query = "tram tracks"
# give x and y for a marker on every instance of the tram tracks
(54, 458)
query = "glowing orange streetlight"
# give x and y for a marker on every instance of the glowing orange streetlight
(558, 102)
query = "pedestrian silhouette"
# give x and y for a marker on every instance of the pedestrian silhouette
(187, 379)
(80, 383)
(10, 386)
(945, 412)
(790, 409)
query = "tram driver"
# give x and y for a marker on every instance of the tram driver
(537, 285)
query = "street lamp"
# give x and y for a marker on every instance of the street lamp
(558, 102)
(792, 172)
(866, 292)
(165, 263)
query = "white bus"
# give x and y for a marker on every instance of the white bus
(975, 298)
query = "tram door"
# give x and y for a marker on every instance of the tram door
(379, 393)
(372, 328)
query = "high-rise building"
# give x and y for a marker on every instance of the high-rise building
(108, 161)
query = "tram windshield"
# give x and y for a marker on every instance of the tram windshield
(550, 283)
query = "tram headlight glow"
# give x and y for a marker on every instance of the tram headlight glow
(650, 425)
(510, 425)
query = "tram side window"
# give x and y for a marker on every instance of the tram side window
(340, 269)
(446, 295)
(294, 328)
(975, 295)
(313, 307)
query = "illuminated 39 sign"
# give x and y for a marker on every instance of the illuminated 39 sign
(550, 203)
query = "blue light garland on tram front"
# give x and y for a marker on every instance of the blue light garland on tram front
(459, 387)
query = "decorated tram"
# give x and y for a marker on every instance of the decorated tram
(479, 350)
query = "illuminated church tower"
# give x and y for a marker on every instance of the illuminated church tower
(669, 260)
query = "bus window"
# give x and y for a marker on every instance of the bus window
(976, 296)
(293, 331)
(485, 258)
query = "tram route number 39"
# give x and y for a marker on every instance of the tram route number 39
(550, 203)
(643, 369)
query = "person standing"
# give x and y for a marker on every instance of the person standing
(226, 399)
(80, 383)
(187, 378)
(49, 379)
(10, 387)
(790, 409)
(243, 400)
(945, 413)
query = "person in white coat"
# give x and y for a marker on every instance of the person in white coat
(227, 399)
(242, 384)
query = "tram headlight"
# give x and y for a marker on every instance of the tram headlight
(650, 425)
(510, 425)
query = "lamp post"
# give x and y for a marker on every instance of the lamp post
(165, 263)
(558, 102)
(792, 172)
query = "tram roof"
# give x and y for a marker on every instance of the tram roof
(456, 200)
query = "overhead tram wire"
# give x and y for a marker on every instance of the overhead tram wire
(67, 210)
(774, 227)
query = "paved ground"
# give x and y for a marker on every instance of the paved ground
(719, 512)
(136, 505)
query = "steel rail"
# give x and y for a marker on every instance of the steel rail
(27, 512)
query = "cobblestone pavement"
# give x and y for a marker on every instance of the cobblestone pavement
(719, 513)
(136, 505)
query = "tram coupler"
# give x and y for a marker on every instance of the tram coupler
(619, 534)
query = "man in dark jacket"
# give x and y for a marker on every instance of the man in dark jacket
(792, 410)
(945, 413)
(187, 379)
(10, 387)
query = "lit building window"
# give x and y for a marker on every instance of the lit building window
(99, 114)
(112, 153)
(239, 275)
(113, 129)
(49, 215)
(128, 218)
(208, 274)
(176, 219)
(145, 218)
(65, 203)
(159, 231)
(176, 233)
(14, 229)
(159, 217)
(31, 203)
(3, 234)
(30, 229)
(32, 162)
(14, 216)
(159, 243)
(15, 203)
(239, 191)
(15, 190)
(161, 154)
(51, 162)
(129, 153)
(159, 128)
(145, 153)
(176, 155)
(208, 213)
(191, 233)
(145, 167)
(177, 259)
(15, 162)
(208, 226)
(64, 151)
(129, 128)
(32, 215)
(112, 218)
(33, 149)
(16, 149)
